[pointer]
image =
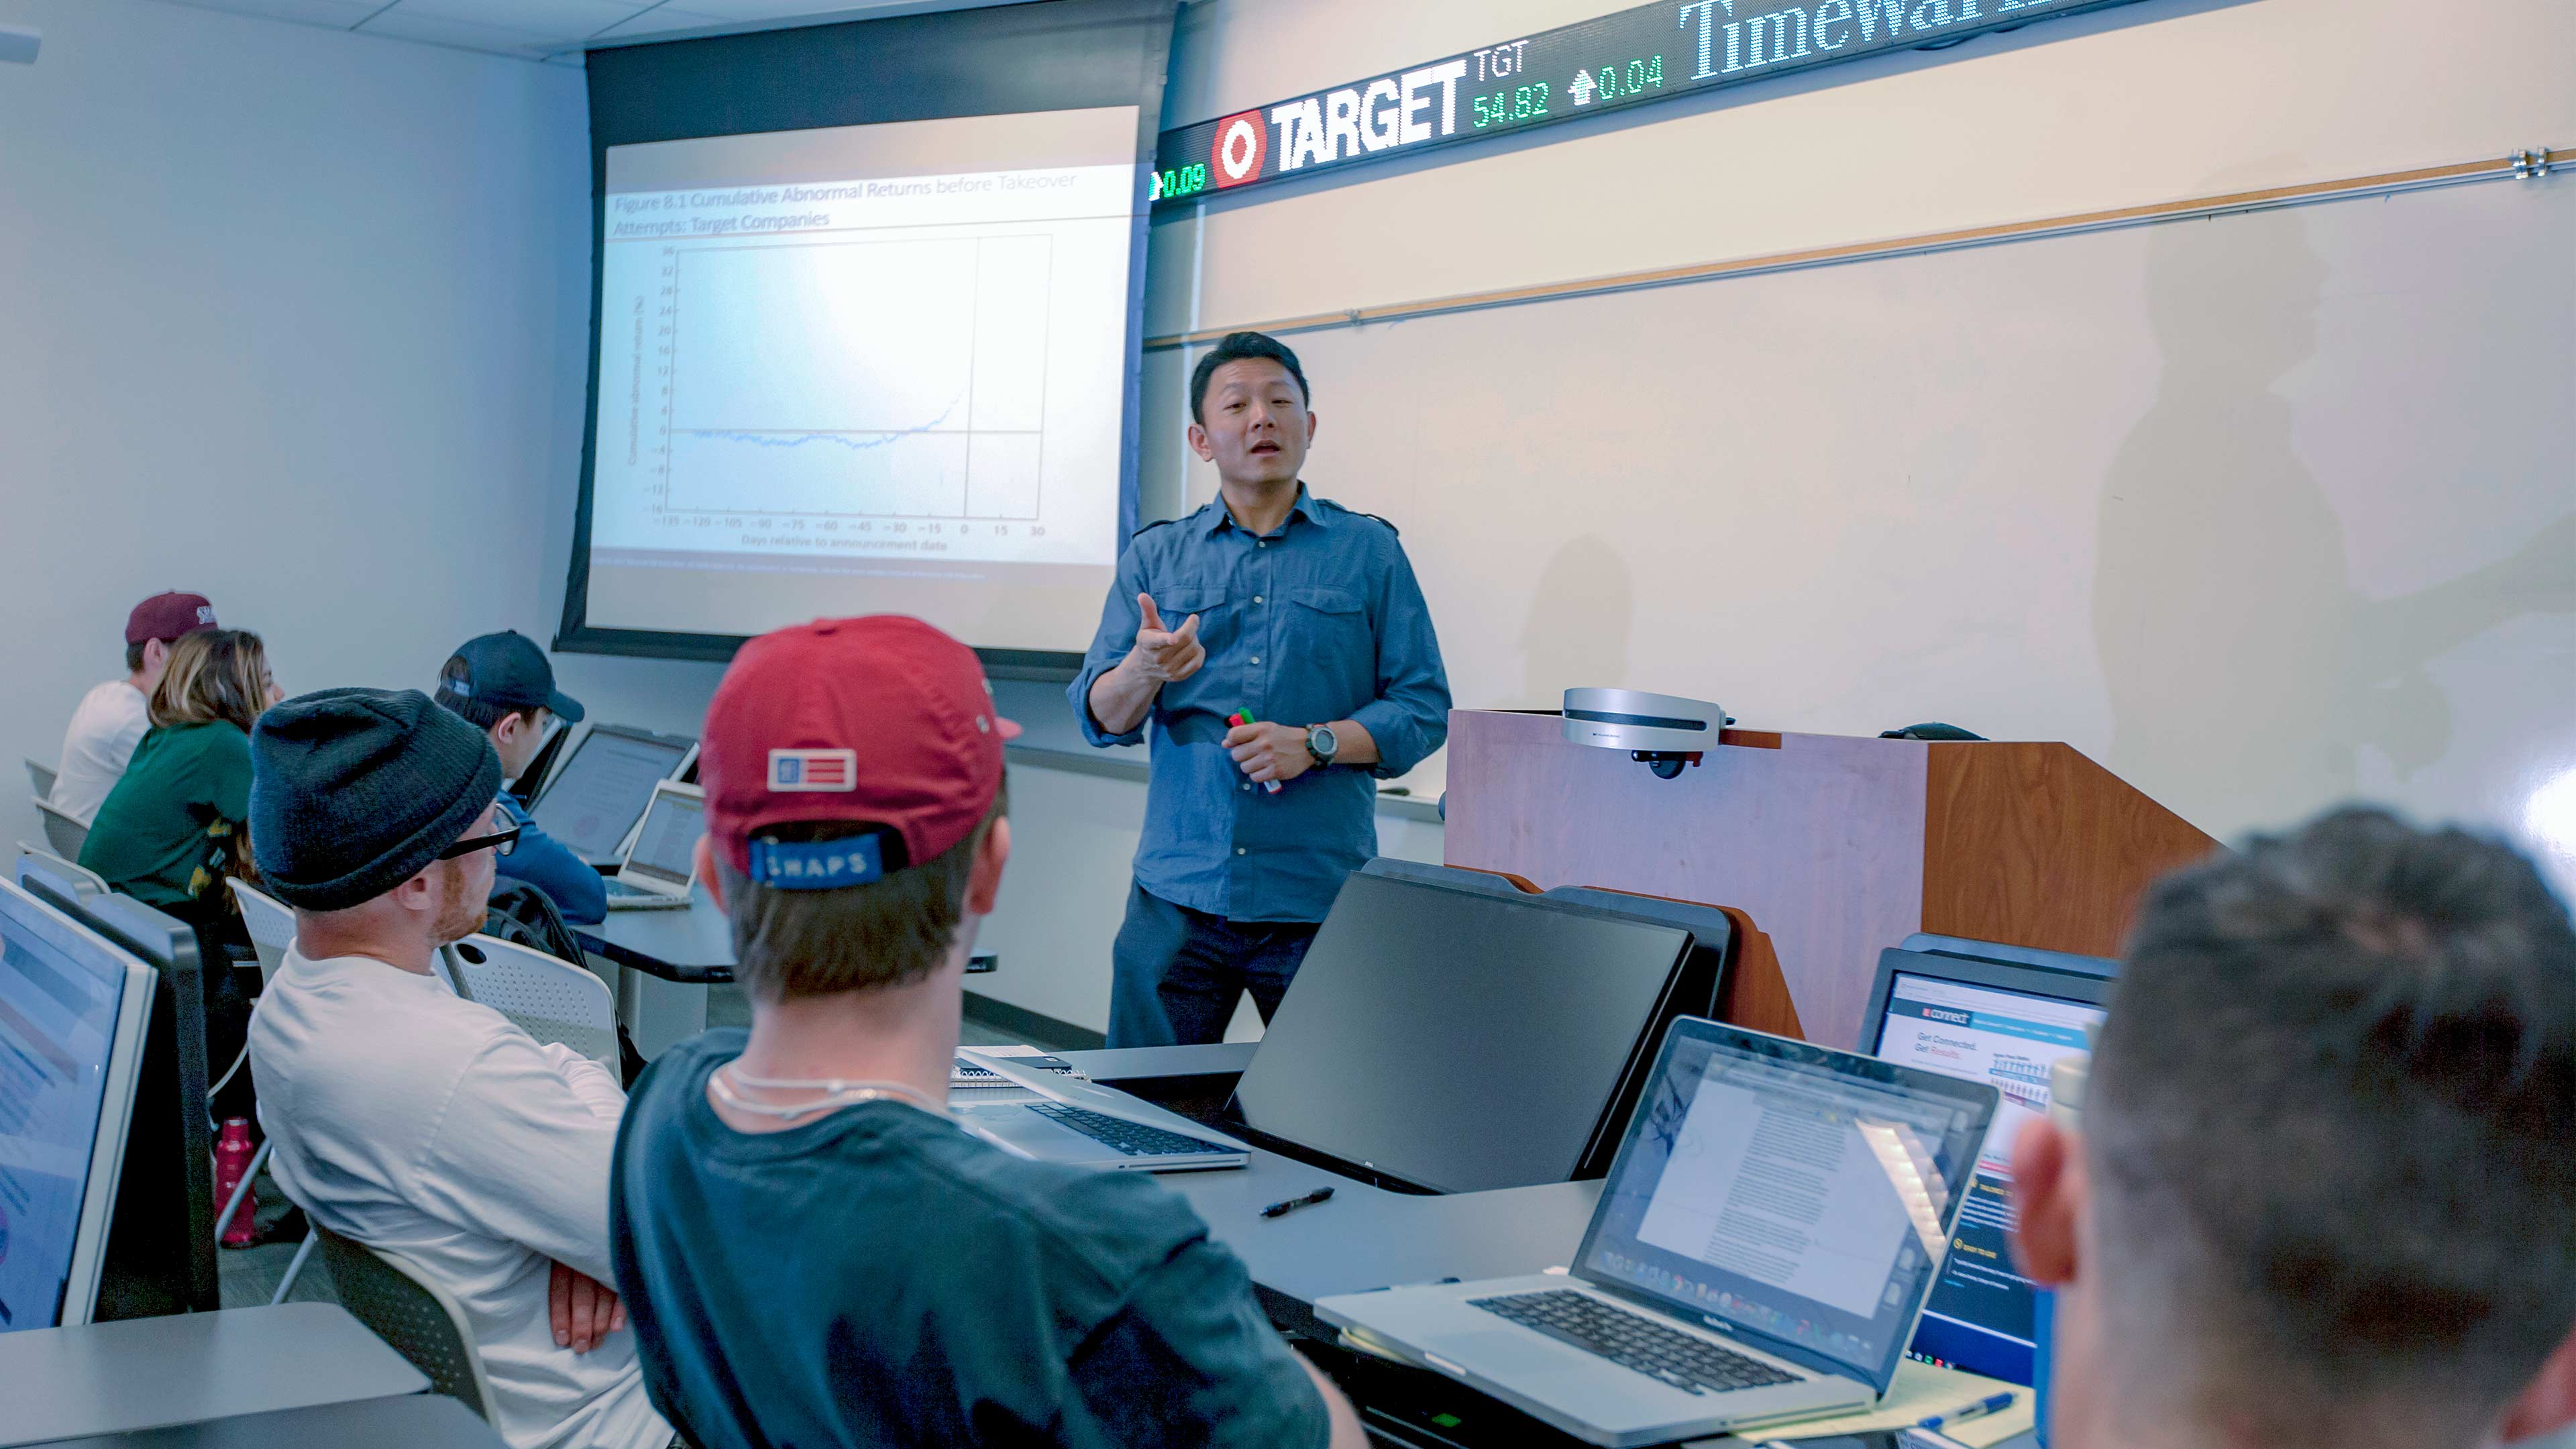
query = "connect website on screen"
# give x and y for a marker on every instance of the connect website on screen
(2012, 1040)
(866, 367)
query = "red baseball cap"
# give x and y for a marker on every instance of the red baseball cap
(882, 720)
(168, 616)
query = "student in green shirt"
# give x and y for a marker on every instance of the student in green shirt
(174, 825)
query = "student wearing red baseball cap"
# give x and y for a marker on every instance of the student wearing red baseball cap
(112, 717)
(810, 1250)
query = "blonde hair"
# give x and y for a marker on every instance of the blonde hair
(214, 674)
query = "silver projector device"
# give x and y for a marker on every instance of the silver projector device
(1663, 731)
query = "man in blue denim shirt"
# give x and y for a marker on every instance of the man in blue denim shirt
(1303, 617)
(502, 685)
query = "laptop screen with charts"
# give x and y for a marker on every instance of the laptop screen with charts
(72, 1013)
(1999, 1022)
(1456, 1041)
(665, 852)
(1797, 1197)
(596, 797)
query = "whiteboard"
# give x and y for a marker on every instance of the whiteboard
(2262, 511)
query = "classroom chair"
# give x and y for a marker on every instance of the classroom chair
(550, 999)
(89, 879)
(397, 1299)
(62, 831)
(42, 777)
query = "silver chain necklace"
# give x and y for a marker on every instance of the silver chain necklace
(837, 1093)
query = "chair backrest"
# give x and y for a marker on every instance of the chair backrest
(397, 1299)
(42, 777)
(551, 1000)
(59, 866)
(66, 833)
(272, 926)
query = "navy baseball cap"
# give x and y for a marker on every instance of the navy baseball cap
(509, 670)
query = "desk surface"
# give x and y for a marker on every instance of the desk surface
(1368, 1237)
(694, 947)
(414, 1421)
(145, 1373)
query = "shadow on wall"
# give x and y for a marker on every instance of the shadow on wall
(1581, 615)
(2244, 670)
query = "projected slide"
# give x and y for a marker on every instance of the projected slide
(864, 369)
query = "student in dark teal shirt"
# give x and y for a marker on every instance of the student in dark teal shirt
(812, 1251)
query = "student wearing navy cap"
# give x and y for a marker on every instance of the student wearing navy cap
(813, 1253)
(112, 717)
(502, 685)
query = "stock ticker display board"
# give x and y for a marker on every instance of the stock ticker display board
(1631, 58)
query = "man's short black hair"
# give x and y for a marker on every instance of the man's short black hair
(134, 655)
(1236, 347)
(2332, 1125)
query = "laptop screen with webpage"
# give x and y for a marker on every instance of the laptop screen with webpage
(2009, 1024)
(666, 846)
(1800, 1193)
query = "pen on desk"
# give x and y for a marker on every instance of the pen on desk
(1283, 1209)
(1991, 1404)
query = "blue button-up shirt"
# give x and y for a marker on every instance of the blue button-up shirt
(1317, 621)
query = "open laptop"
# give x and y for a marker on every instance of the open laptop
(1083, 1125)
(661, 862)
(594, 799)
(1985, 1012)
(1761, 1250)
(73, 1008)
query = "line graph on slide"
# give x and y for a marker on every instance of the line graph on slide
(856, 379)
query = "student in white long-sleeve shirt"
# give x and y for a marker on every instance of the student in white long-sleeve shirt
(406, 1117)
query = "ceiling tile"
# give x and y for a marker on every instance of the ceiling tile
(340, 13)
(462, 34)
(663, 18)
(736, 12)
(554, 20)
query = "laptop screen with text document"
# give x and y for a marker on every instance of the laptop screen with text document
(1802, 1194)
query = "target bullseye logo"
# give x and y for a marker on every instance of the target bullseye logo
(1242, 144)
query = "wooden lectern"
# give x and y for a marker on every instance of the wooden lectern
(1824, 849)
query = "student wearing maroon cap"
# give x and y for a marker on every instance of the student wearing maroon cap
(812, 1252)
(111, 718)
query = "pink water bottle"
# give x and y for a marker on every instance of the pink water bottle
(233, 1153)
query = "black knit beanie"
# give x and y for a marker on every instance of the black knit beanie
(354, 791)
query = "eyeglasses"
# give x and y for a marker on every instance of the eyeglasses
(500, 842)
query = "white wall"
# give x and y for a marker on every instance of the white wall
(288, 317)
(2262, 511)
(300, 319)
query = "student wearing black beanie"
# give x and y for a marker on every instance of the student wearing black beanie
(353, 791)
(406, 1117)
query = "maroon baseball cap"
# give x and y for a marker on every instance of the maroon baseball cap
(881, 720)
(167, 616)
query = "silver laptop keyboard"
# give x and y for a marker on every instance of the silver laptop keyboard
(618, 887)
(1634, 1341)
(1131, 1139)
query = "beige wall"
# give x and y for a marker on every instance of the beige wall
(2263, 511)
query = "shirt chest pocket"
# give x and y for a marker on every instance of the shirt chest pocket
(1330, 623)
(1220, 622)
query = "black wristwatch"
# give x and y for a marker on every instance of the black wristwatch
(1321, 744)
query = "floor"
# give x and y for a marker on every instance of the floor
(249, 1276)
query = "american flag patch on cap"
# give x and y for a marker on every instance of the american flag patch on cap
(813, 770)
